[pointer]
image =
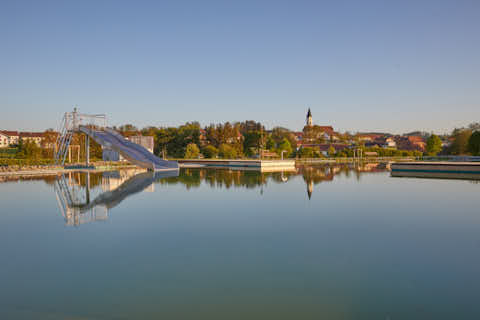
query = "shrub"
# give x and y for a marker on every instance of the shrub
(227, 152)
(210, 152)
(192, 151)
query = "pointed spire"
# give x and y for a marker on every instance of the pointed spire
(309, 118)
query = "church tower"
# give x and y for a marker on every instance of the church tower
(309, 118)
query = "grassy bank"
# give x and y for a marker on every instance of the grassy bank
(347, 160)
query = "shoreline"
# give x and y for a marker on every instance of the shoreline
(102, 167)
(48, 171)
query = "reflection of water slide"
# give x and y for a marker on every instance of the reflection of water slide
(133, 152)
(135, 184)
(76, 212)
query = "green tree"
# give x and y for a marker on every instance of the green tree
(285, 146)
(192, 151)
(434, 145)
(306, 152)
(474, 143)
(210, 152)
(460, 141)
(251, 142)
(227, 152)
(270, 143)
(331, 151)
(28, 150)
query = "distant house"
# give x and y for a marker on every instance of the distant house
(4, 140)
(13, 137)
(298, 136)
(269, 154)
(36, 137)
(390, 143)
(328, 130)
(417, 142)
(368, 137)
(386, 143)
(410, 143)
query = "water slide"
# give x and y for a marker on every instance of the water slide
(133, 152)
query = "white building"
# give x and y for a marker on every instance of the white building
(12, 137)
(4, 140)
(36, 137)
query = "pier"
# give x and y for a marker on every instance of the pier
(258, 164)
(444, 170)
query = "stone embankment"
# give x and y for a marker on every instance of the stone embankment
(44, 170)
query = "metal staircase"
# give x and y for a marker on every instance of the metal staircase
(63, 139)
(70, 124)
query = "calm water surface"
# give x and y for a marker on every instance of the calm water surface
(320, 243)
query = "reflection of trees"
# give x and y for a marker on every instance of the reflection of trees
(80, 179)
(225, 178)
(228, 178)
(218, 178)
(48, 179)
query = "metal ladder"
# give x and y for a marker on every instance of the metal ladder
(63, 139)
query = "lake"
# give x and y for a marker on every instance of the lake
(321, 242)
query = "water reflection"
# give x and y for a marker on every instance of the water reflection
(228, 178)
(87, 197)
(76, 198)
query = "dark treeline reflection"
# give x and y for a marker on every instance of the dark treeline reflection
(218, 178)
(228, 178)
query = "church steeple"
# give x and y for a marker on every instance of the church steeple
(309, 118)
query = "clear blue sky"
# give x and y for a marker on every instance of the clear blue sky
(359, 65)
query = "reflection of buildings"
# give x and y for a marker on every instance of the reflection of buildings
(113, 179)
(314, 175)
(310, 189)
(74, 190)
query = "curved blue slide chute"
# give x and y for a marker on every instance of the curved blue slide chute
(133, 152)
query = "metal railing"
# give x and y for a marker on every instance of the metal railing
(70, 123)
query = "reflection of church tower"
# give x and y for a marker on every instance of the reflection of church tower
(309, 118)
(310, 188)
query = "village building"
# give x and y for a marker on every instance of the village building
(12, 137)
(383, 142)
(410, 143)
(4, 140)
(36, 137)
